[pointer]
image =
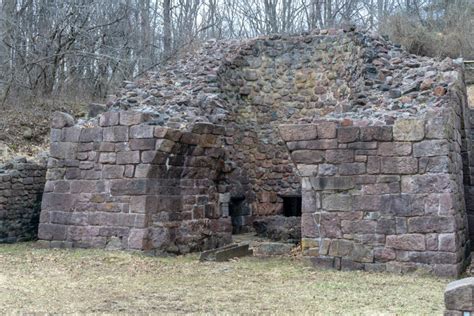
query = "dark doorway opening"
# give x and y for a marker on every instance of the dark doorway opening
(291, 205)
(238, 208)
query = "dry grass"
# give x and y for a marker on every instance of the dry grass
(94, 281)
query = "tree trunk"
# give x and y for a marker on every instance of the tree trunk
(166, 28)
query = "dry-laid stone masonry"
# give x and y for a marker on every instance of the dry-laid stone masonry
(375, 140)
(21, 188)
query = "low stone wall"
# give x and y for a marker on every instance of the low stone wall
(125, 183)
(459, 297)
(383, 198)
(21, 188)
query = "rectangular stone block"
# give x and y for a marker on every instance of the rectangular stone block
(339, 155)
(408, 130)
(116, 134)
(428, 183)
(91, 134)
(377, 133)
(307, 156)
(109, 119)
(431, 224)
(112, 172)
(340, 248)
(399, 165)
(430, 148)
(133, 118)
(142, 144)
(107, 157)
(332, 183)
(312, 144)
(348, 134)
(298, 132)
(414, 242)
(51, 232)
(326, 129)
(355, 168)
(394, 149)
(71, 134)
(128, 187)
(337, 202)
(142, 131)
(128, 157)
(63, 150)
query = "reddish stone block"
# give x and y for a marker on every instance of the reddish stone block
(399, 165)
(406, 242)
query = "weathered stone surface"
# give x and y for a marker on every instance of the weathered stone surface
(21, 187)
(273, 249)
(429, 148)
(373, 154)
(61, 120)
(431, 224)
(279, 228)
(459, 294)
(307, 156)
(298, 132)
(399, 165)
(406, 242)
(408, 130)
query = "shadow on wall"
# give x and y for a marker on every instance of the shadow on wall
(21, 190)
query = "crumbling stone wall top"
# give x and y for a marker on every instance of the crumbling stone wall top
(374, 78)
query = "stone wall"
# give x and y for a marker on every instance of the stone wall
(123, 182)
(274, 80)
(21, 188)
(469, 177)
(376, 140)
(383, 198)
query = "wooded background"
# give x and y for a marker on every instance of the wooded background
(88, 47)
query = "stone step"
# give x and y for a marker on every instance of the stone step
(226, 253)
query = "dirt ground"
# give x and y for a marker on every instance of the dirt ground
(95, 281)
(25, 125)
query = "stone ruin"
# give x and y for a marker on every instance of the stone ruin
(21, 189)
(363, 145)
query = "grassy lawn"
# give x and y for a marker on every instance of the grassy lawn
(95, 281)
